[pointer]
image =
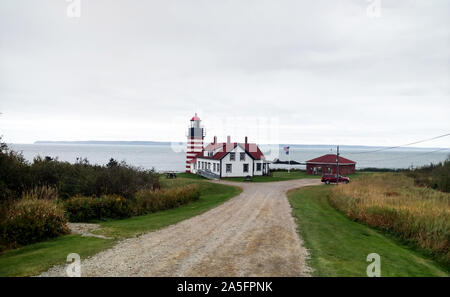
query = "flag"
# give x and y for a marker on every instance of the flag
(286, 149)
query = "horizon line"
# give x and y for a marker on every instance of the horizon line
(144, 142)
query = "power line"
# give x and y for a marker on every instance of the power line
(398, 146)
(397, 158)
(406, 157)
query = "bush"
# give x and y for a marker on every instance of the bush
(83, 209)
(85, 179)
(152, 201)
(435, 176)
(31, 220)
(14, 177)
(18, 176)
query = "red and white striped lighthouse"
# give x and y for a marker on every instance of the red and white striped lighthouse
(194, 141)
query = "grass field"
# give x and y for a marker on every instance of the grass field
(36, 258)
(391, 202)
(276, 176)
(339, 246)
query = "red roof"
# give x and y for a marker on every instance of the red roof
(213, 146)
(195, 118)
(330, 159)
(252, 149)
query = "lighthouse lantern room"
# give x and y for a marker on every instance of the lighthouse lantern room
(195, 137)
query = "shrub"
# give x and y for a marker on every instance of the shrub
(32, 220)
(18, 176)
(83, 209)
(435, 176)
(14, 176)
(85, 179)
(151, 201)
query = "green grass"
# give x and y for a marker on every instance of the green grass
(37, 258)
(190, 176)
(339, 246)
(276, 176)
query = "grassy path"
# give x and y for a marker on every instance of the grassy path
(339, 246)
(36, 258)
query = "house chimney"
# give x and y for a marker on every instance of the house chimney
(224, 149)
(215, 140)
(228, 139)
(246, 140)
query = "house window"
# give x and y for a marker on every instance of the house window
(242, 156)
(228, 168)
(209, 166)
(245, 167)
(214, 167)
(232, 156)
(258, 166)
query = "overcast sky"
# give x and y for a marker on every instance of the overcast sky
(316, 72)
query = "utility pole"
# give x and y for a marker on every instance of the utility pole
(337, 165)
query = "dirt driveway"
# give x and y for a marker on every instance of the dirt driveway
(252, 234)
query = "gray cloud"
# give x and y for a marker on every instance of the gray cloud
(125, 68)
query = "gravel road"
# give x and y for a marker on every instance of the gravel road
(252, 234)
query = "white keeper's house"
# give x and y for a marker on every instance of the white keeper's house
(222, 159)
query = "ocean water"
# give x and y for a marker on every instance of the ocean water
(164, 158)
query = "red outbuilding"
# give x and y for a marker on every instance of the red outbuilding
(327, 164)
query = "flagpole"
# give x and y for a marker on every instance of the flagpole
(289, 153)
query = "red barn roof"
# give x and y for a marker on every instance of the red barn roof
(331, 159)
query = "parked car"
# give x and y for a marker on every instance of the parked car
(332, 178)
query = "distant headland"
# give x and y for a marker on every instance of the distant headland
(104, 142)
